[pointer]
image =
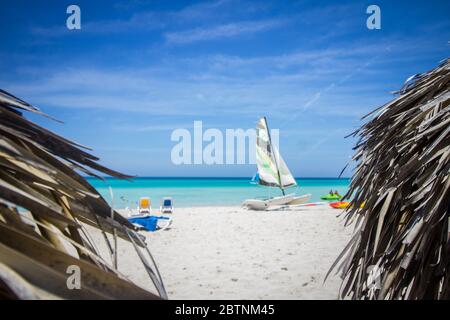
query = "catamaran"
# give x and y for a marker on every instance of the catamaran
(272, 172)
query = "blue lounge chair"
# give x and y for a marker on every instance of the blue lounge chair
(166, 205)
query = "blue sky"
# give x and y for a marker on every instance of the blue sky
(139, 69)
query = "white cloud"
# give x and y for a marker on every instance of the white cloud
(214, 85)
(149, 92)
(144, 21)
(222, 31)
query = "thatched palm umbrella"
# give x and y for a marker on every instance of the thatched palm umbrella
(44, 205)
(401, 247)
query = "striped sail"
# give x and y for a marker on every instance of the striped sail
(272, 169)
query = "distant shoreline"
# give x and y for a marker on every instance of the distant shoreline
(221, 178)
(200, 191)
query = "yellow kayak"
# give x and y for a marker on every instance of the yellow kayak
(342, 204)
(339, 204)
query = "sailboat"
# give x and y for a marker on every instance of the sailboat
(272, 172)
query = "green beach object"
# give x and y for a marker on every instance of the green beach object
(331, 197)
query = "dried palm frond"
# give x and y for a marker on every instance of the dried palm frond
(44, 204)
(401, 246)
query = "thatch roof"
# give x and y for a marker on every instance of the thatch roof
(401, 247)
(39, 175)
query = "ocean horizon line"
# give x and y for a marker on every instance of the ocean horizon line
(212, 178)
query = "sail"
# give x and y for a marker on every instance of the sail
(255, 179)
(287, 180)
(272, 169)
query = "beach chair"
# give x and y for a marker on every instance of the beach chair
(166, 205)
(145, 206)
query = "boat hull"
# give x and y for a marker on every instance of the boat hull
(289, 199)
(300, 200)
(255, 204)
(281, 200)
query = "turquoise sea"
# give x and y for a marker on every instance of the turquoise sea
(206, 191)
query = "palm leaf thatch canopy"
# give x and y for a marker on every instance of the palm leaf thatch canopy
(45, 205)
(401, 248)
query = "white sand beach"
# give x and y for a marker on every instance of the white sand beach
(231, 253)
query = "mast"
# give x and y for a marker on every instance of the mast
(274, 155)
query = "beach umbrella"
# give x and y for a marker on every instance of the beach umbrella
(400, 248)
(45, 206)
